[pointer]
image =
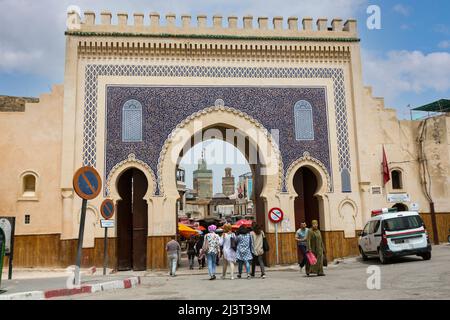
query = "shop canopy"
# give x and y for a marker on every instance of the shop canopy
(442, 105)
(186, 231)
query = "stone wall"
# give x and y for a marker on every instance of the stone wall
(30, 144)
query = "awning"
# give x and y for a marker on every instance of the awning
(442, 105)
(186, 231)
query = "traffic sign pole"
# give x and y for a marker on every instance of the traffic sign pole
(276, 243)
(107, 211)
(105, 252)
(87, 184)
(80, 241)
(276, 216)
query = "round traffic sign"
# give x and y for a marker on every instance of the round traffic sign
(107, 209)
(87, 183)
(276, 215)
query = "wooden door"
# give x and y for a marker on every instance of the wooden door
(139, 221)
(124, 222)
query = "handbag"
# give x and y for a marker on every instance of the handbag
(265, 244)
(233, 243)
(325, 261)
(312, 260)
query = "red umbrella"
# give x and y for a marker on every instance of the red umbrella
(242, 222)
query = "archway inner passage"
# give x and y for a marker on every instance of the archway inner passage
(132, 221)
(219, 181)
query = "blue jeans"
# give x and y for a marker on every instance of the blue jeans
(211, 257)
(302, 247)
(247, 266)
(173, 260)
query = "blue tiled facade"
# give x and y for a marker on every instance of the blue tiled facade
(165, 107)
(339, 107)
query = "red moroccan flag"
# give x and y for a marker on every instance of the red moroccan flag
(386, 174)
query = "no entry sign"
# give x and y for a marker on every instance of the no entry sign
(276, 215)
(87, 183)
(107, 209)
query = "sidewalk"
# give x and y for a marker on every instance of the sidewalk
(44, 283)
(50, 283)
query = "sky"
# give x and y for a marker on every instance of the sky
(406, 61)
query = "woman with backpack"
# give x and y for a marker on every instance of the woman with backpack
(258, 238)
(229, 245)
(244, 251)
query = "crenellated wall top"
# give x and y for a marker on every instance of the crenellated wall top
(216, 26)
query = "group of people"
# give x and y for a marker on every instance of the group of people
(245, 247)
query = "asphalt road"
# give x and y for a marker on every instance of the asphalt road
(408, 278)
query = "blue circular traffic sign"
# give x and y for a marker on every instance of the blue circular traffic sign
(87, 183)
(107, 209)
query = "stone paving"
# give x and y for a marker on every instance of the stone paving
(407, 278)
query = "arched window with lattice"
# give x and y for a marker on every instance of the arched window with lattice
(303, 117)
(132, 121)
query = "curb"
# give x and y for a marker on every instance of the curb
(105, 286)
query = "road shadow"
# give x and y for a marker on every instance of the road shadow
(398, 260)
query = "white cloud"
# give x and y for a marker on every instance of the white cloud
(402, 72)
(402, 9)
(19, 60)
(445, 44)
(32, 32)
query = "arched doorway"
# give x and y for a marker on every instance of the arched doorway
(306, 204)
(132, 221)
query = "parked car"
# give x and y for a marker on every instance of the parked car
(390, 234)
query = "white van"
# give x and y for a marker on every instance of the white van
(390, 234)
